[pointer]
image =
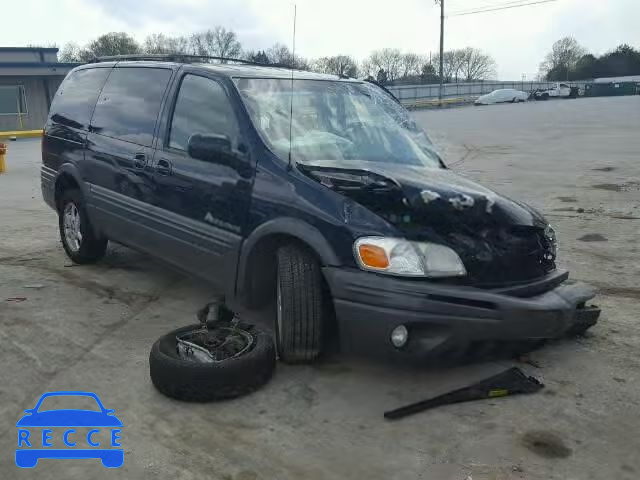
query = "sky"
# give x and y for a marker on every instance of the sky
(517, 39)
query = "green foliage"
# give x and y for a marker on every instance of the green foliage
(621, 62)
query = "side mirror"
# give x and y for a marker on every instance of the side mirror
(209, 147)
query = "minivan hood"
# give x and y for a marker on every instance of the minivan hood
(499, 240)
(440, 191)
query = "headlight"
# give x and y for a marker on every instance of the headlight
(397, 256)
(550, 235)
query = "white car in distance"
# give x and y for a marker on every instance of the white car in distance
(504, 95)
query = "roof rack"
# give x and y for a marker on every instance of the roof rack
(175, 57)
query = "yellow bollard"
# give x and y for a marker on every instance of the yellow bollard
(3, 152)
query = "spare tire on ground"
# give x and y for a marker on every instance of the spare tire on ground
(223, 377)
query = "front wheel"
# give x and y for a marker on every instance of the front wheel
(76, 233)
(299, 313)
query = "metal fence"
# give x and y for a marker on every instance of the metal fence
(415, 94)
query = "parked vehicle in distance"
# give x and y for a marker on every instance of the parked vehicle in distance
(342, 216)
(503, 95)
(559, 90)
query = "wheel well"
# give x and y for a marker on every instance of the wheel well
(63, 183)
(260, 270)
(260, 279)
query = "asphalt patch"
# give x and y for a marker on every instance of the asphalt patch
(612, 187)
(593, 237)
(546, 444)
(604, 169)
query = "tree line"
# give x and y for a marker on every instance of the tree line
(387, 66)
(568, 60)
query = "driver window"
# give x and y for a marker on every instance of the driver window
(202, 107)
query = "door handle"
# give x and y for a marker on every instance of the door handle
(140, 160)
(163, 167)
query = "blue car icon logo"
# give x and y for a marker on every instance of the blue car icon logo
(42, 432)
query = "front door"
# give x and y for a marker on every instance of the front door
(205, 201)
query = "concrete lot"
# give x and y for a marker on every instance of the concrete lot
(91, 327)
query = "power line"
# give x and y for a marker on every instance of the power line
(481, 4)
(497, 8)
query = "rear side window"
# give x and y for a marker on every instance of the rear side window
(129, 104)
(76, 97)
(202, 107)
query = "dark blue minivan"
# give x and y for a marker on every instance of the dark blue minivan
(313, 193)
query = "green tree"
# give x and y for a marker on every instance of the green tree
(114, 43)
(428, 73)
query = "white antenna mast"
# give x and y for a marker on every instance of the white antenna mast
(293, 61)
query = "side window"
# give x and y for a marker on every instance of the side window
(129, 104)
(75, 99)
(202, 107)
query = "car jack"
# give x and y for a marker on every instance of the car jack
(509, 382)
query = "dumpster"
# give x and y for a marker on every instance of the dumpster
(612, 89)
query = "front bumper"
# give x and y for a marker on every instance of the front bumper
(441, 317)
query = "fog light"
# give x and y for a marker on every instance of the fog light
(399, 336)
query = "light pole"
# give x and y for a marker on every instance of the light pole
(441, 2)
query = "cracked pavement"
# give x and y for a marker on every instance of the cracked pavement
(91, 328)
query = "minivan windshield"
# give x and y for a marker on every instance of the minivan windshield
(334, 121)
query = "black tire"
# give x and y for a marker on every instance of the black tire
(299, 312)
(91, 248)
(193, 381)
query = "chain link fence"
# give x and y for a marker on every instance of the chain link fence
(416, 95)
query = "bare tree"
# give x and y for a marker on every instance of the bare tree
(366, 68)
(476, 65)
(218, 42)
(341, 65)
(452, 61)
(226, 43)
(280, 54)
(563, 56)
(70, 52)
(411, 64)
(158, 43)
(389, 60)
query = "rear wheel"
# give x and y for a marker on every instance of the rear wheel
(76, 232)
(299, 312)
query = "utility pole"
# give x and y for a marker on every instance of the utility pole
(441, 49)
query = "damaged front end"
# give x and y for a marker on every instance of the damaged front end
(499, 241)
